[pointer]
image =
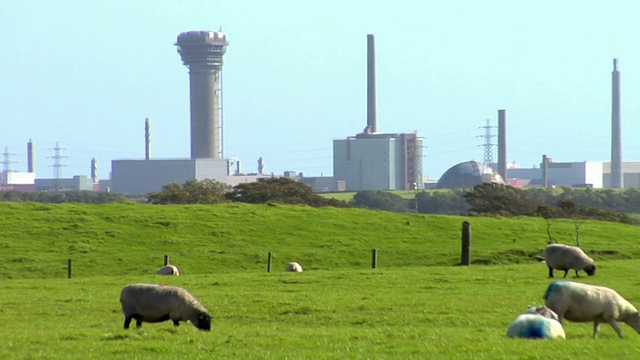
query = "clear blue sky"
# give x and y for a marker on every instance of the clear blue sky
(87, 73)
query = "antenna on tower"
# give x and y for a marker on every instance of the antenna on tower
(57, 165)
(488, 151)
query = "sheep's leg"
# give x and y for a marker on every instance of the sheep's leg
(566, 272)
(138, 323)
(615, 327)
(550, 271)
(577, 275)
(127, 321)
(596, 327)
(176, 322)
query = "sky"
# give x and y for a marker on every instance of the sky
(86, 74)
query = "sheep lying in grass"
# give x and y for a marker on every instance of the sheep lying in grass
(539, 322)
(585, 303)
(157, 303)
(294, 267)
(169, 270)
(565, 257)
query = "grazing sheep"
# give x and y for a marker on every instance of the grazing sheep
(169, 270)
(585, 303)
(539, 322)
(157, 303)
(294, 267)
(565, 257)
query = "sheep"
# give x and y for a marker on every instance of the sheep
(538, 323)
(294, 267)
(169, 270)
(584, 303)
(157, 303)
(565, 257)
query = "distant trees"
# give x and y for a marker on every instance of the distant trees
(206, 191)
(380, 200)
(83, 196)
(278, 190)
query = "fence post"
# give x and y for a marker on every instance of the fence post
(68, 268)
(374, 259)
(166, 260)
(269, 262)
(466, 243)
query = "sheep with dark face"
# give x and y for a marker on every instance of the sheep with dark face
(566, 257)
(157, 303)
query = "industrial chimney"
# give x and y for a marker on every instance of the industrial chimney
(147, 139)
(201, 52)
(616, 142)
(371, 84)
(502, 144)
(30, 161)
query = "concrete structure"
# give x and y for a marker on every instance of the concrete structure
(77, 183)
(201, 52)
(502, 143)
(138, 177)
(17, 181)
(371, 84)
(378, 162)
(595, 174)
(468, 174)
(616, 133)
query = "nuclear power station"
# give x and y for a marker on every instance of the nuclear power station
(201, 52)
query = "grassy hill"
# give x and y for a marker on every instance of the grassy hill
(125, 238)
(415, 305)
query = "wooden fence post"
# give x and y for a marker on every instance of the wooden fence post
(374, 259)
(466, 243)
(68, 268)
(269, 262)
(166, 260)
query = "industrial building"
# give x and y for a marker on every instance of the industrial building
(201, 52)
(377, 161)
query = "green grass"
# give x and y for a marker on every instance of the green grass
(416, 305)
(424, 312)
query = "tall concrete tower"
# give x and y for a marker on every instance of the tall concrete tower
(502, 143)
(616, 142)
(371, 84)
(202, 52)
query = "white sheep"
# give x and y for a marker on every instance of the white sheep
(294, 267)
(539, 322)
(157, 303)
(566, 257)
(585, 303)
(169, 270)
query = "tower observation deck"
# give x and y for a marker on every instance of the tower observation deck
(201, 52)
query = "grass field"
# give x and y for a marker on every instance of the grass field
(415, 305)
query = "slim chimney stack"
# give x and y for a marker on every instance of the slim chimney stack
(502, 144)
(147, 139)
(616, 142)
(371, 84)
(30, 161)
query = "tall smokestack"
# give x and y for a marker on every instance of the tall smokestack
(371, 84)
(147, 139)
(30, 161)
(502, 144)
(616, 143)
(94, 170)
(545, 171)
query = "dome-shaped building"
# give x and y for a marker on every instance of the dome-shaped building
(467, 175)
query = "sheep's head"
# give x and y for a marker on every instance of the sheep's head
(204, 322)
(542, 310)
(590, 270)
